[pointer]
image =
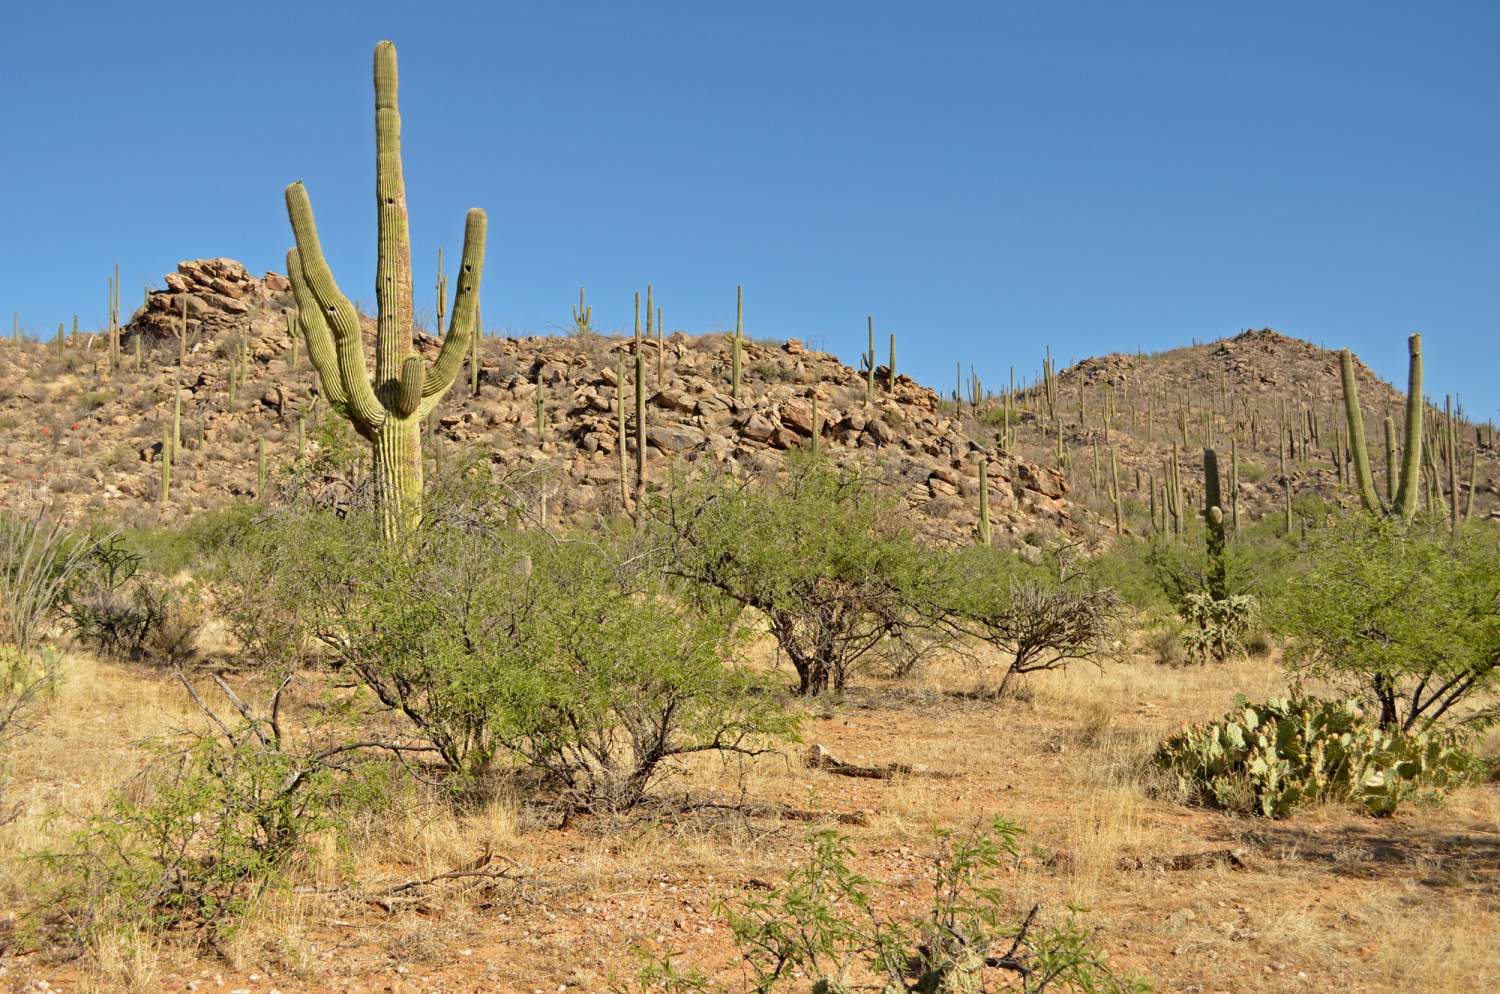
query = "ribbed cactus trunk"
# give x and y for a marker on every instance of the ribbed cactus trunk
(1404, 501)
(387, 411)
(984, 501)
(736, 344)
(1213, 520)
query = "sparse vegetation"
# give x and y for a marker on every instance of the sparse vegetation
(822, 555)
(311, 674)
(1405, 616)
(1274, 757)
(822, 926)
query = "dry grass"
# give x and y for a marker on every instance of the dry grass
(1332, 900)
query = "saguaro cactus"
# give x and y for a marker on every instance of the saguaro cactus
(583, 317)
(387, 411)
(869, 358)
(736, 343)
(1114, 492)
(1404, 503)
(474, 342)
(620, 443)
(541, 406)
(166, 465)
(984, 500)
(1213, 520)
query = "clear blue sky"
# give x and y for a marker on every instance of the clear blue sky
(985, 178)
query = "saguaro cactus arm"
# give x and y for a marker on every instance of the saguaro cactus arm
(1404, 503)
(1363, 476)
(1411, 454)
(334, 308)
(320, 347)
(463, 316)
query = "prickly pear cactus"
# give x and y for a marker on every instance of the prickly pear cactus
(1274, 757)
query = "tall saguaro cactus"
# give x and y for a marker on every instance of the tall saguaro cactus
(1213, 521)
(1404, 501)
(388, 410)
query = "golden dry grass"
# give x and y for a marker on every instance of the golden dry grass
(1332, 900)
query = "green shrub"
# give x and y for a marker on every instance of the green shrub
(1042, 616)
(826, 555)
(574, 655)
(1259, 644)
(1274, 757)
(113, 607)
(614, 679)
(1251, 472)
(1126, 567)
(214, 820)
(1407, 616)
(1166, 644)
(822, 931)
(193, 544)
(1313, 509)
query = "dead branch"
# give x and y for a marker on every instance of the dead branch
(819, 758)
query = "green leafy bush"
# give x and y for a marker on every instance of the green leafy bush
(216, 818)
(575, 655)
(826, 555)
(822, 926)
(612, 679)
(1405, 615)
(1272, 758)
(193, 543)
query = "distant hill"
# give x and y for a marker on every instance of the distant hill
(1248, 389)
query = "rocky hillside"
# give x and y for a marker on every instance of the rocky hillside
(1241, 393)
(89, 440)
(78, 436)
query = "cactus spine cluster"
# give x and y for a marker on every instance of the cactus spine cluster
(387, 411)
(1404, 502)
